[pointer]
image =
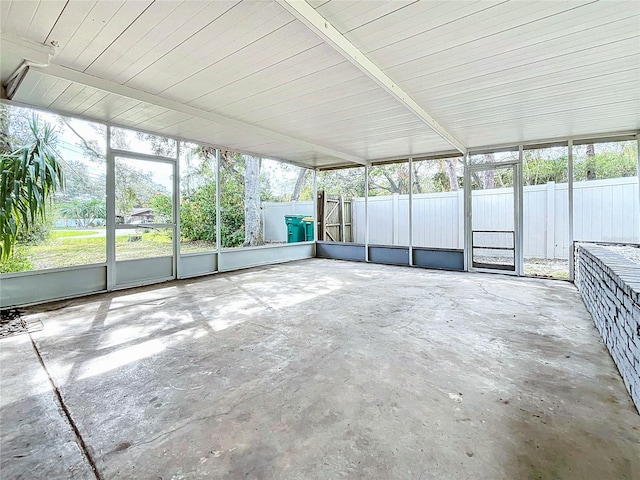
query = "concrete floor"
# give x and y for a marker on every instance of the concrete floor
(319, 369)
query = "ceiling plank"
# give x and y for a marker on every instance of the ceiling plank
(134, 94)
(320, 26)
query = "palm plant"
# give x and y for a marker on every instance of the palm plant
(30, 175)
(84, 212)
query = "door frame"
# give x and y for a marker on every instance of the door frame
(517, 213)
(146, 263)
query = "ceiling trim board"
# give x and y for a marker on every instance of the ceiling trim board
(179, 138)
(134, 94)
(25, 48)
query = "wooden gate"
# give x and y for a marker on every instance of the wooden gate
(335, 218)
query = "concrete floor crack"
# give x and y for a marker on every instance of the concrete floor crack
(67, 414)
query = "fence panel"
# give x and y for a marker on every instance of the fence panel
(537, 210)
(604, 210)
(435, 220)
(607, 210)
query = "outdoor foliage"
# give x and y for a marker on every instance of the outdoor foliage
(162, 208)
(198, 214)
(198, 203)
(38, 231)
(349, 182)
(17, 262)
(135, 188)
(538, 170)
(608, 164)
(85, 212)
(30, 175)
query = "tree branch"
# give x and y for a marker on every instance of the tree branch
(86, 144)
(394, 186)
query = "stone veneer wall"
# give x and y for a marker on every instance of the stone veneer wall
(610, 287)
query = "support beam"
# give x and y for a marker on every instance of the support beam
(177, 269)
(366, 213)
(218, 209)
(111, 215)
(26, 49)
(519, 211)
(468, 234)
(304, 12)
(138, 95)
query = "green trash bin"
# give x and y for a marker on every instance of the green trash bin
(308, 228)
(295, 229)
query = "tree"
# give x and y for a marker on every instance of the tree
(15, 128)
(162, 146)
(84, 212)
(5, 139)
(135, 188)
(80, 183)
(392, 178)
(349, 182)
(452, 164)
(198, 214)
(162, 208)
(542, 167)
(590, 162)
(485, 179)
(253, 220)
(30, 175)
(613, 160)
(297, 188)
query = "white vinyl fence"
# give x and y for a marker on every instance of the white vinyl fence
(604, 210)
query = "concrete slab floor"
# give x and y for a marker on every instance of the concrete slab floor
(320, 369)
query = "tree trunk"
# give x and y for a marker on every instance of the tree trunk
(453, 177)
(5, 142)
(393, 186)
(416, 179)
(478, 180)
(252, 221)
(297, 189)
(489, 179)
(489, 175)
(590, 163)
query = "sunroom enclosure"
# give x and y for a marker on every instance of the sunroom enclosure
(175, 209)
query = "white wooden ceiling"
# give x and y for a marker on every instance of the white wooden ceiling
(250, 76)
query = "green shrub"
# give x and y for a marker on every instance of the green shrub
(38, 232)
(17, 262)
(198, 215)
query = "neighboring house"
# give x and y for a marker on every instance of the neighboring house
(137, 215)
(141, 215)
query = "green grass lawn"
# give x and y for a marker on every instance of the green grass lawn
(67, 248)
(146, 245)
(70, 247)
(56, 234)
(67, 251)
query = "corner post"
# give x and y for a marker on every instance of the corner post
(570, 202)
(411, 211)
(218, 216)
(366, 212)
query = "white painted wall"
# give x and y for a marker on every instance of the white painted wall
(605, 210)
